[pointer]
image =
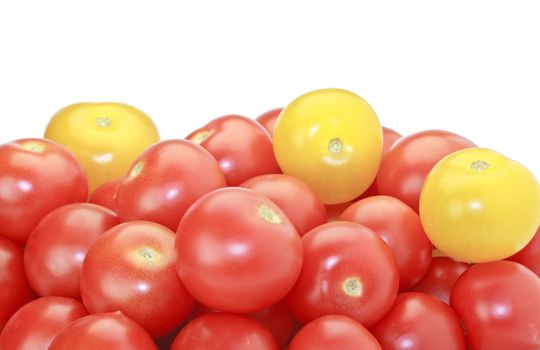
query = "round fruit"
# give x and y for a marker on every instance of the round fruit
(268, 119)
(441, 277)
(105, 195)
(530, 255)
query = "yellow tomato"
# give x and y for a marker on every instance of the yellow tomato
(478, 206)
(332, 140)
(106, 137)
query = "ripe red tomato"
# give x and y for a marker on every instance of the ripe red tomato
(405, 167)
(297, 200)
(419, 321)
(224, 332)
(103, 331)
(55, 250)
(105, 195)
(499, 303)
(347, 270)
(36, 324)
(530, 255)
(441, 277)
(165, 180)
(279, 320)
(334, 332)
(399, 226)
(242, 147)
(268, 119)
(36, 176)
(334, 211)
(130, 268)
(15, 288)
(237, 251)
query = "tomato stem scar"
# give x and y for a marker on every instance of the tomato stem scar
(335, 146)
(479, 165)
(269, 214)
(148, 254)
(352, 287)
(33, 146)
(103, 121)
(136, 170)
(199, 137)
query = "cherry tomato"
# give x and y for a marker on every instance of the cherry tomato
(36, 176)
(399, 226)
(103, 331)
(408, 162)
(279, 320)
(130, 268)
(473, 199)
(499, 303)
(530, 255)
(237, 251)
(441, 277)
(55, 251)
(347, 270)
(15, 288)
(268, 119)
(105, 195)
(332, 140)
(242, 147)
(334, 332)
(224, 332)
(419, 321)
(294, 197)
(334, 211)
(36, 324)
(105, 137)
(165, 180)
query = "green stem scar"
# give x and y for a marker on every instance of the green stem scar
(148, 254)
(199, 137)
(33, 146)
(136, 170)
(103, 122)
(335, 146)
(269, 214)
(352, 287)
(479, 165)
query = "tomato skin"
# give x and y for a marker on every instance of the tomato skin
(347, 270)
(105, 195)
(242, 147)
(130, 268)
(55, 250)
(408, 162)
(499, 303)
(36, 324)
(279, 320)
(297, 200)
(419, 321)
(399, 226)
(237, 258)
(530, 255)
(441, 277)
(334, 332)
(268, 119)
(165, 180)
(103, 331)
(16, 290)
(36, 176)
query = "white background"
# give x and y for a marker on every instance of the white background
(472, 67)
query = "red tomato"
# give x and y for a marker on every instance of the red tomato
(237, 251)
(165, 180)
(405, 167)
(14, 286)
(55, 250)
(441, 277)
(499, 303)
(334, 211)
(268, 119)
(347, 270)
(224, 332)
(36, 324)
(103, 331)
(242, 147)
(36, 176)
(530, 255)
(334, 332)
(105, 195)
(399, 226)
(279, 320)
(419, 321)
(130, 268)
(297, 200)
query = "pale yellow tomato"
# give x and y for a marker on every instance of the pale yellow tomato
(105, 137)
(332, 140)
(478, 206)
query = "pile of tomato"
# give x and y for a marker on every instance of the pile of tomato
(311, 227)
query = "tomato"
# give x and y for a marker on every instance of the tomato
(279, 320)
(130, 268)
(165, 180)
(419, 321)
(348, 270)
(224, 332)
(441, 277)
(36, 324)
(36, 176)
(530, 255)
(332, 140)
(399, 226)
(103, 331)
(16, 290)
(268, 119)
(297, 200)
(237, 251)
(478, 205)
(499, 303)
(55, 251)
(408, 162)
(106, 137)
(242, 147)
(334, 332)
(105, 195)
(334, 211)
